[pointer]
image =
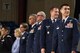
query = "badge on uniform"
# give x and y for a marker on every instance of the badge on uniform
(23, 37)
(57, 28)
(39, 28)
(69, 25)
(48, 32)
(47, 27)
(32, 31)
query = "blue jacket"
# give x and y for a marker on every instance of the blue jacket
(65, 37)
(23, 42)
(46, 33)
(36, 45)
(30, 39)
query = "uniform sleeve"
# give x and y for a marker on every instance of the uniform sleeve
(9, 43)
(42, 35)
(75, 36)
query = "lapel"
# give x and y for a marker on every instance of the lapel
(5, 37)
(23, 36)
(61, 24)
(50, 22)
(33, 27)
(67, 21)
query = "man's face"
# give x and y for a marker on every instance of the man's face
(54, 13)
(40, 18)
(65, 11)
(4, 31)
(31, 20)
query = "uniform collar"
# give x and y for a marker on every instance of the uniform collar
(22, 33)
(53, 19)
(40, 22)
(3, 36)
(66, 18)
(33, 25)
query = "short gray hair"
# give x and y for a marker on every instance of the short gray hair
(42, 13)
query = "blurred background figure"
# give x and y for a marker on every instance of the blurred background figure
(16, 44)
(78, 47)
(0, 29)
(5, 41)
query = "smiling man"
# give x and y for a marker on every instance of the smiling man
(47, 28)
(67, 33)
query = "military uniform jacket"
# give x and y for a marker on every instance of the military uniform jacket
(47, 28)
(66, 36)
(23, 42)
(30, 39)
(6, 44)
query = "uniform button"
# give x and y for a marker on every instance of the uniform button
(62, 40)
(62, 35)
(62, 30)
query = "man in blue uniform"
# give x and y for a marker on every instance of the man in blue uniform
(47, 28)
(32, 22)
(40, 17)
(66, 34)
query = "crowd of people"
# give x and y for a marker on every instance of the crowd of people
(57, 34)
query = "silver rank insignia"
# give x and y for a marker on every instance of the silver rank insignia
(48, 32)
(23, 37)
(57, 28)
